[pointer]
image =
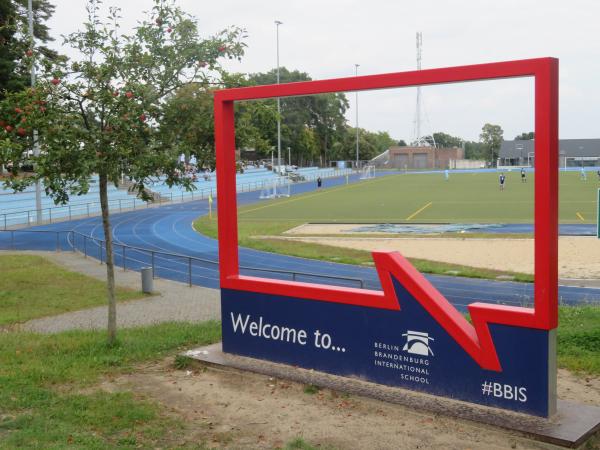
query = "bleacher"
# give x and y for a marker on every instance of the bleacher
(19, 208)
(251, 180)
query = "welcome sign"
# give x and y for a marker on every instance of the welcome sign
(407, 335)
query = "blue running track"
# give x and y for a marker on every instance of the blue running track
(169, 229)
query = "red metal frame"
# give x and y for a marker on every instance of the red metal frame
(475, 338)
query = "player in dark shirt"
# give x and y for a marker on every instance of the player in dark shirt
(502, 180)
(523, 176)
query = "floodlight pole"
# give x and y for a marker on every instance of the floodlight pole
(277, 23)
(356, 102)
(36, 147)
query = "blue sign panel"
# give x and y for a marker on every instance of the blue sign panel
(406, 348)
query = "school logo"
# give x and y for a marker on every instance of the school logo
(417, 343)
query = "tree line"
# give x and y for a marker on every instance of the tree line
(313, 128)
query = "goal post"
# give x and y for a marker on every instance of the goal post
(275, 188)
(367, 172)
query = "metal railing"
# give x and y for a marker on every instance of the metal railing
(88, 209)
(172, 266)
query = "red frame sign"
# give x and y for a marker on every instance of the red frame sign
(474, 338)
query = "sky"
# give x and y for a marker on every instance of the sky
(327, 38)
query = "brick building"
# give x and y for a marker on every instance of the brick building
(419, 157)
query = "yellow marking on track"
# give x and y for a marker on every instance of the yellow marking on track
(301, 197)
(418, 211)
(580, 217)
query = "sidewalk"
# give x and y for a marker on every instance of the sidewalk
(173, 302)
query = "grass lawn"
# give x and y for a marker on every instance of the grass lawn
(47, 399)
(409, 198)
(32, 286)
(579, 339)
(467, 198)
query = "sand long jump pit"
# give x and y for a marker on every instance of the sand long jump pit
(579, 256)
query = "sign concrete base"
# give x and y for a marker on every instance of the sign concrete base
(570, 427)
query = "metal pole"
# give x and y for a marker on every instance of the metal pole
(152, 253)
(12, 240)
(85, 246)
(190, 270)
(73, 241)
(356, 102)
(58, 241)
(277, 23)
(124, 260)
(36, 148)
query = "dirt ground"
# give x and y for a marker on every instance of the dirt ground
(231, 409)
(579, 256)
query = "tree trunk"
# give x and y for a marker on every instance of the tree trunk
(110, 267)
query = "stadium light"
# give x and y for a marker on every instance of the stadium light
(277, 23)
(356, 102)
(36, 147)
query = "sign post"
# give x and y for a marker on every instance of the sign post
(408, 334)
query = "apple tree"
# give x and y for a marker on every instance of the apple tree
(102, 114)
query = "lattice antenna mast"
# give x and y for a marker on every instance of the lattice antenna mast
(419, 140)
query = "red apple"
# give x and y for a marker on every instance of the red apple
(21, 131)
(42, 109)
(8, 128)
(143, 117)
(29, 53)
(55, 81)
(222, 48)
(129, 94)
(18, 110)
(169, 30)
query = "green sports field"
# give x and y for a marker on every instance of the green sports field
(419, 198)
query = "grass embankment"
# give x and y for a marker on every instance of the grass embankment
(249, 230)
(32, 286)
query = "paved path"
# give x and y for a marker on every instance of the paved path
(169, 229)
(173, 302)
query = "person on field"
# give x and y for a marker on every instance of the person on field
(523, 175)
(446, 174)
(582, 175)
(319, 182)
(502, 181)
